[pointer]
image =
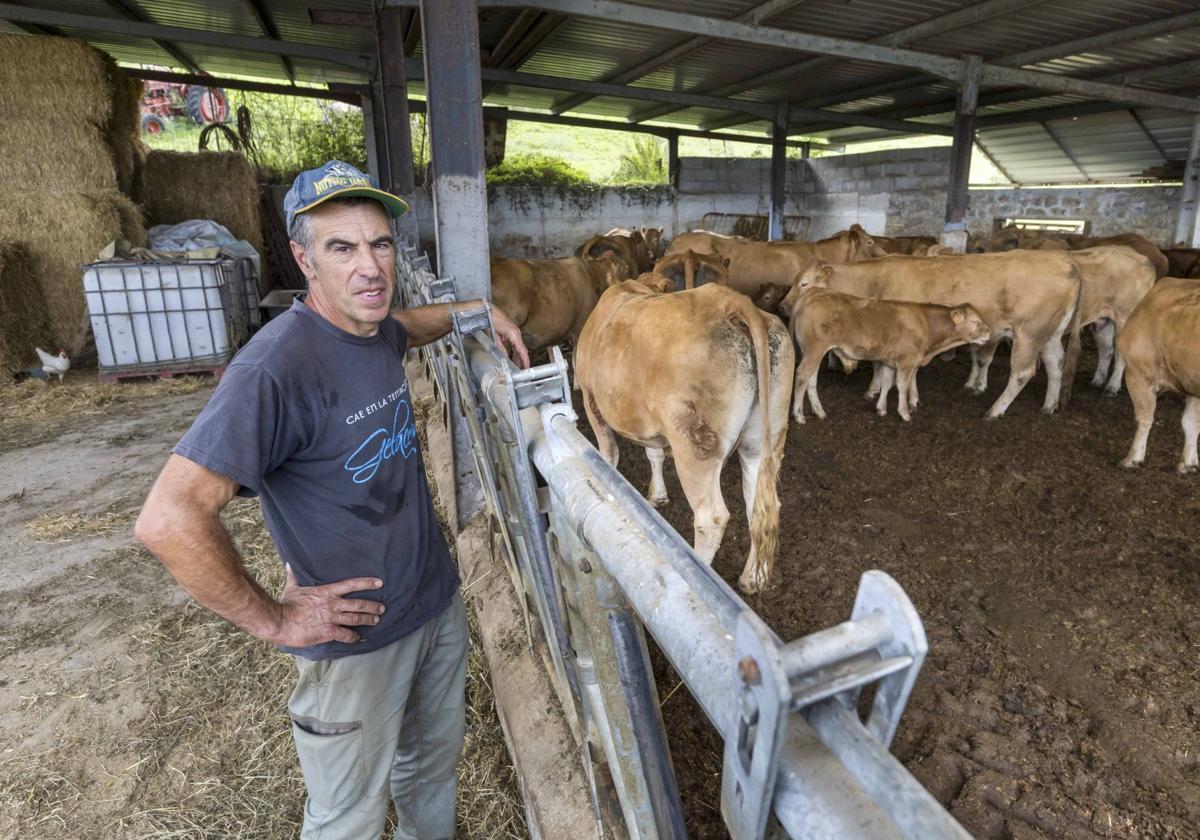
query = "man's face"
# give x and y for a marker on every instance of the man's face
(351, 265)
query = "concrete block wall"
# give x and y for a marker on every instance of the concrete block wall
(897, 192)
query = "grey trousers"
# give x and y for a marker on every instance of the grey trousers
(380, 725)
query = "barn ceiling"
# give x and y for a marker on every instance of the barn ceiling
(1033, 136)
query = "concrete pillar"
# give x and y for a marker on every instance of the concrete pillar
(1187, 229)
(778, 173)
(954, 234)
(454, 114)
(450, 40)
(396, 127)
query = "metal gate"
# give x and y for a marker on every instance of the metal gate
(600, 567)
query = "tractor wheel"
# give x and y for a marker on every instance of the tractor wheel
(153, 124)
(207, 105)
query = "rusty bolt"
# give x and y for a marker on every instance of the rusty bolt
(748, 668)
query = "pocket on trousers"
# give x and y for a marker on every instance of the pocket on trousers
(331, 757)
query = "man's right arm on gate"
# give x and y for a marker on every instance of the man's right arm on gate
(181, 524)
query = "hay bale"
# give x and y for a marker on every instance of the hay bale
(61, 232)
(53, 77)
(124, 128)
(222, 186)
(23, 320)
(57, 154)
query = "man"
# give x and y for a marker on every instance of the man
(314, 416)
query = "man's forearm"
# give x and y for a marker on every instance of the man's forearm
(429, 323)
(200, 555)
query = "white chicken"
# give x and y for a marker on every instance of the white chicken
(54, 365)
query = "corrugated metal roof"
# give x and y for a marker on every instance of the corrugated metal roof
(1104, 146)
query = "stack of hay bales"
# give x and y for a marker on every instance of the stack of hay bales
(70, 119)
(221, 186)
(23, 321)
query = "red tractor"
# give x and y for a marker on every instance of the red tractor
(165, 100)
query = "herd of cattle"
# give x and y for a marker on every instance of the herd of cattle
(678, 345)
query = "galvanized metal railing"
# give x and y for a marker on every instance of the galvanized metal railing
(599, 564)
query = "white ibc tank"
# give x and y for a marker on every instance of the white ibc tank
(146, 314)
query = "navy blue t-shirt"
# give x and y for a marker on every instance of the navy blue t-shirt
(319, 424)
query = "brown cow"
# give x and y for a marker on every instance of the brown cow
(913, 246)
(900, 336)
(652, 237)
(1029, 296)
(702, 372)
(687, 270)
(631, 249)
(1161, 348)
(551, 299)
(753, 265)
(1183, 262)
(1115, 278)
(1130, 240)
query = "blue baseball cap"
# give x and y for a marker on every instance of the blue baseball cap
(336, 179)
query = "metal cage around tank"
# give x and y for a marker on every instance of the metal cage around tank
(600, 568)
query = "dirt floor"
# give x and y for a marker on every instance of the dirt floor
(125, 710)
(1060, 697)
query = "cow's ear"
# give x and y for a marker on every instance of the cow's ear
(958, 315)
(825, 272)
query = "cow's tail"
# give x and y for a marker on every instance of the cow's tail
(764, 519)
(1072, 357)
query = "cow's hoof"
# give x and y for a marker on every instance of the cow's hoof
(871, 396)
(907, 418)
(820, 415)
(1049, 409)
(751, 586)
(1112, 392)
(657, 501)
(990, 416)
(1184, 469)
(1129, 463)
(1096, 385)
(881, 412)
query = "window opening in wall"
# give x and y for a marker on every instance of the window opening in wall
(1053, 225)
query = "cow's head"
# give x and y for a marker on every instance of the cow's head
(653, 238)
(606, 270)
(771, 296)
(816, 274)
(862, 245)
(598, 246)
(969, 324)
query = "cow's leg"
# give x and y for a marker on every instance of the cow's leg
(876, 381)
(657, 494)
(903, 387)
(887, 378)
(1191, 429)
(981, 360)
(1023, 364)
(701, 481)
(1052, 357)
(1106, 333)
(806, 382)
(1144, 397)
(606, 439)
(1118, 369)
(914, 398)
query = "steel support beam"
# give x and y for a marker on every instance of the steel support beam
(154, 31)
(1062, 147)
(758, 109)
(131, 12)
(268, 27)
(450, 35)
(350, 94)
(673, 157)
(925, 29)
(1187, 229)
(524, 38)
(1124, 35)
(778, 174)
(661, 58)
(373, 138)
(337, 17)
(397, 130)
(983, 150)
(1158, 147)
(954, 233)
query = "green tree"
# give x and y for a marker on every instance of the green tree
(643, 162)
